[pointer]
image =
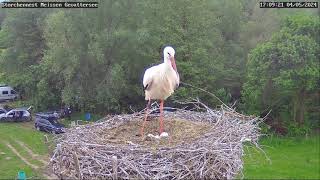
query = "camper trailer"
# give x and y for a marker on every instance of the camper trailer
(7, 93)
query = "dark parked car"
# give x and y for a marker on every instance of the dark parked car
(60, 113)
(48, 122)
(15, 115)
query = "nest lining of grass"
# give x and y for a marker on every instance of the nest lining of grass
(200, 145)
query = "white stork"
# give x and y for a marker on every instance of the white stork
(159, 83)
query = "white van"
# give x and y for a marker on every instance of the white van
(7, 93)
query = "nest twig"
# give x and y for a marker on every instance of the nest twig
(81, 153)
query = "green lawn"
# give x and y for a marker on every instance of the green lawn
(290, 158)
(10, 163)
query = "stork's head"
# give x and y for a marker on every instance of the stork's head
(168, 54)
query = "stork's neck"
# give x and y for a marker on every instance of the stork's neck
(166, 61)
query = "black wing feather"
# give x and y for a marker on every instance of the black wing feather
(147, 87)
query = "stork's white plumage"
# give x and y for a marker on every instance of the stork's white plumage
(160, 81)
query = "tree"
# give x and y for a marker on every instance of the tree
(93, 52)
(22, 47)
(285, 69)
(94, 59)
(191, 27)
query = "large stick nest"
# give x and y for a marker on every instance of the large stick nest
(87, 152)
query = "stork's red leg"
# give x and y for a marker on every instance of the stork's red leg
(145, 118)
(161, 117)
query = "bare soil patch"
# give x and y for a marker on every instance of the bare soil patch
(180, 132)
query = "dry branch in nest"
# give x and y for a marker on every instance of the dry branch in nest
(92, 151)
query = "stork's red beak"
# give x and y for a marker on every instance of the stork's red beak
(173, 63)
